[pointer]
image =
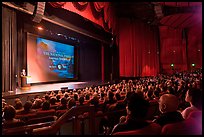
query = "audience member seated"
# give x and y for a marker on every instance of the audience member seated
(81, 100)
(63, 104)
(110, 100)
(87, 97)
(53, 104)
(66, 95)
(58, 97)
(9, 120)
(27, 108)
(76, 96)
(45, 105)
(102, 96)
(18, 105)
(37, 103)
(137, 108)
(71, 103)
(94, 100)
(168, 105)
(47, 97)
(149, 95)
(156, 94)
(194, 97)
(118, 96)
(3, 103)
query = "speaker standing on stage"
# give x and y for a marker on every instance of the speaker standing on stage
(23, 73)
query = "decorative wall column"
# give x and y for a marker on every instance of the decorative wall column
(9, 49)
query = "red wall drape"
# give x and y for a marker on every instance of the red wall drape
(138, 49)
(182, 48)
(172, 49)
(195, 46)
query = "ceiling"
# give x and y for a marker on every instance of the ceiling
(172, 14)
(140, 10)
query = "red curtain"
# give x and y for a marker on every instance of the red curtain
(173, 49)
(195, 46)
(100, 13)
(138, 49)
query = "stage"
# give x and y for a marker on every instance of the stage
(43, 88)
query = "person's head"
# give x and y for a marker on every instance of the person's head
(117, 96)
(122, 119)
(27, 106)
(156, 92)
(102, 95)
(137, 106)
(194, 96)
(127, 95)
(110, 95)
(58, 98)
(53, 100)
(9, 112)
(95, 100)
(66, 95)
(37, 103)
(71, 103)
(16, 100)
(18, 105)
(168, 103)
(81, 100)
(149, 94)
(76, 97)
(63, 101)
(47, 97)
(170, 90)
(87, 97)
(46, 105)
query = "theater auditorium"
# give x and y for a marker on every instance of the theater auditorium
(101, 68)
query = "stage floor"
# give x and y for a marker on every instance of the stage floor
(54, 86)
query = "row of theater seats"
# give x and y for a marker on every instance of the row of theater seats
(42, 116)
(76, 121)
(85, 121)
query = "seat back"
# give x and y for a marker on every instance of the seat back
(13, 124)
(189, 126)
(40, 120)
(43, 113)
(153, 110)
(152, 129)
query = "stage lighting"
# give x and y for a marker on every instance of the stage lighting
(40, 28)
(193, 65)
(172, 65)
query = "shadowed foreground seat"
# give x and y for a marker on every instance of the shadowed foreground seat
(152, 129)
(190, 126)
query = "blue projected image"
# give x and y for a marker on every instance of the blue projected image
(56, 58)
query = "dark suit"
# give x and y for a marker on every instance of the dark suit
(169, 117)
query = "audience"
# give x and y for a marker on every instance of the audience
(180, 91)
